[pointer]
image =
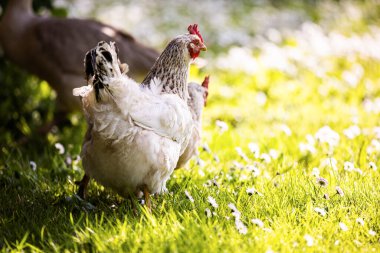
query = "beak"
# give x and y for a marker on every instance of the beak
(202, 47)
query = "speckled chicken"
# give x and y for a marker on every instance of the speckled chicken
(137, 132)
(198, 99)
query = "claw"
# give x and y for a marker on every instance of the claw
(82, 191)
(147, 199)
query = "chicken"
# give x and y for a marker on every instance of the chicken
(198, 99)
(136, 133)
(52, 49)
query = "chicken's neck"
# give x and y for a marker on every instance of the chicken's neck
(172, 69)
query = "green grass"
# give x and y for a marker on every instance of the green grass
(39, 212)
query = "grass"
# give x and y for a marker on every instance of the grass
(277, 109)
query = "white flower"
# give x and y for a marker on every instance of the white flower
(206, 148)
(343, 226)
(315, 172)
(352, 132)
(322, 181)
(68, 160)
(372, 165)
(258, 222)
(371, 232)
(238, 165)
(327, 135)
(307, 148)
(235, 212)
(284, 128)
(222, 125)
(60, 148)
(255, 171)
(273, 153)
(360, 221)
(254, 148)
(200, 162)
(208, 213)
(310, 139)
(261, 98)
(252, 191)
(77, 159)
(212, 201)
(309, 240)
(339, 191)
(374, 147)
(376, 131)
(33, 165)
(189, 196)
(265, 157)
(320, 211)
(241, 154)
(232, 207)
(349, 166)
(240, 226)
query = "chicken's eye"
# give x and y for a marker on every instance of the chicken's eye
(196, 42)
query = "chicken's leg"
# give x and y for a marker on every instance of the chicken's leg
(82, 191)
(147, 198)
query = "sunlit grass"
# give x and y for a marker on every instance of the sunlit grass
(271, 133)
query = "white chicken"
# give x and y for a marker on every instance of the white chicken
(136, 133)
(198, 99)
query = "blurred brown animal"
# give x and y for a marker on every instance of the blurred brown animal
(53, 48)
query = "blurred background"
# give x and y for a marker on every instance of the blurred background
(259, 51)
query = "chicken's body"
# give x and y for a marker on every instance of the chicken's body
(136, 133)
(52, 48)
(198, 98)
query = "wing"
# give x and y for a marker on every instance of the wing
(165, 114)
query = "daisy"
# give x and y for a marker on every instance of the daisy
(322, 181)
(258, 222)
(360, 221)
(33, 165)
(343, 226)
(60, 148)
(189, 196)
(339, 191)
(309, 240)
(212, 201)
(320, 211)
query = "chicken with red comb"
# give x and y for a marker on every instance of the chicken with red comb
(193, 29)
(136, 133)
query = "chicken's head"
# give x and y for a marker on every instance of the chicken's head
(205, 88)
(196, 44)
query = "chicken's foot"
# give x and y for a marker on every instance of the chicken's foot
(82, 191)
(147, 198)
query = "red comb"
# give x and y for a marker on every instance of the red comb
(205, 82)
(193, 29)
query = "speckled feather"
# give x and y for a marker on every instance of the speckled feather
(171, 69)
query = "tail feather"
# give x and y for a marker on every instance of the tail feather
(102, 64)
